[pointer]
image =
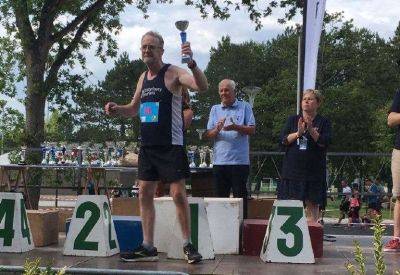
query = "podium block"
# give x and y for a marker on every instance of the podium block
(129, 232)
(287, 239)
(253, 236)
(44, 225)
(200, 233)
(125, 206)
(91, 232)
(225, 217)
(15, 232)
(165, 218)
(317, 238)
(254, 232)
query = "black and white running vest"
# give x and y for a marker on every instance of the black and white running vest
(160, 113)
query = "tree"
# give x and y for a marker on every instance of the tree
(357, 75)
(50, 34)
(119, 85)
(59, 127)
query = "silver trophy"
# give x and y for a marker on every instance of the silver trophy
(109, 161)
(182, 25)
(203, 154)
(84, 151)
(211, 154)
(23, 155)
(251, 92)
(201, 133)
(95, 159)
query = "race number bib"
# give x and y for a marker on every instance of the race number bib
(149, 112)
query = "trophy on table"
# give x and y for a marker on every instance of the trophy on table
(45, 155)
(251, 92)
(120, 151)
(74, 154)
(95, 155)
(191, 152)
(84, 153)
(182, 25)
(203, 154)
(23, 155)
(52, 154)
(211, 154)
(201, 133)
(108, 154)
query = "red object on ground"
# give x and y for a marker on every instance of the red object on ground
(254, 232)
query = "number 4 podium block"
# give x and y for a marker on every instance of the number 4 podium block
(15, 233)
(287, 239)
(91, 232)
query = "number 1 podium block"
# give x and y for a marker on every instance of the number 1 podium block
(15, 233)
(287, 239)
(200, 233)
(91, 232)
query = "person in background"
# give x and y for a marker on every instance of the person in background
(354, 208)
(345, 202)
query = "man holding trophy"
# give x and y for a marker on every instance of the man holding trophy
(162, 157)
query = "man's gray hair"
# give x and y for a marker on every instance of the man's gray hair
(156, 35)
(231, 83)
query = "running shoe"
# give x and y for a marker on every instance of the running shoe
(140, 254)
(392, 246)
(191, 254)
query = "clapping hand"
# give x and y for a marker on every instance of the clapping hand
(220, 124)
(231, 127)
(301, 127)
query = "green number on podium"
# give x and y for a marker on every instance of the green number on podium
(107, 215)
(7, 212)
(295, 214)
(80, 242)
(24, 223)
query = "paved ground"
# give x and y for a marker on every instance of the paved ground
(335, 256)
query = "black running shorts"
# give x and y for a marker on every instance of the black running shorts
(165, 163)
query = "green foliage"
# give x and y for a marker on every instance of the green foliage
(33, 268)
(380, 265)
(119, 86)
(59, 127)
(359, 258)
(12, 126)
(357, 75)
(379, 229)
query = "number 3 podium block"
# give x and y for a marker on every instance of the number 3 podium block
(287, 239)
(91, 231)
(15, 233)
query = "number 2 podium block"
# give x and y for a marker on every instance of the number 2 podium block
(287, 239)
(15, 233)
(91, 232)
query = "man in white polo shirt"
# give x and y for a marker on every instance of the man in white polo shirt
(229, 125)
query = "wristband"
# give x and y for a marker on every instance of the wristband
(192, 64)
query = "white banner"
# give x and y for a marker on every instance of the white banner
(315, 15)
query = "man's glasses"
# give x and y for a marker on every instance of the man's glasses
(149, 47)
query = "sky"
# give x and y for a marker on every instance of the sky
(381, 16)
